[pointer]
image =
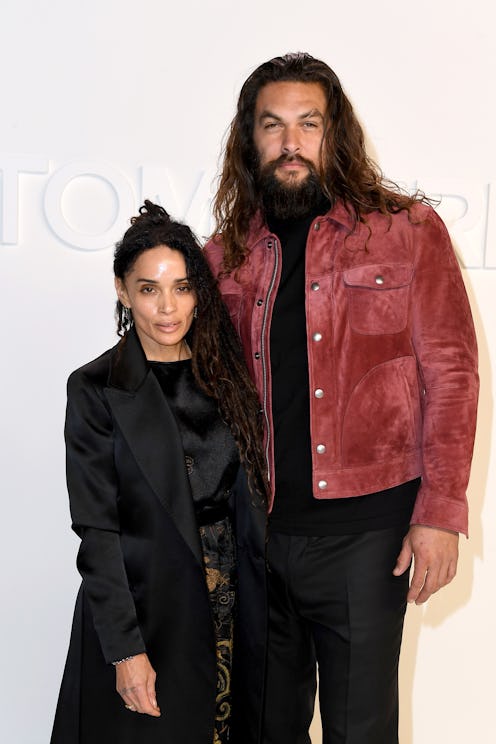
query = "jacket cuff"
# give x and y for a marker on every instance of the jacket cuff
(444, 515)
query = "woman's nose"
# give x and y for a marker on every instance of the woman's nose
(167, 303)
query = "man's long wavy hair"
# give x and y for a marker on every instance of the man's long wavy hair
(217, 359)
(346, 172)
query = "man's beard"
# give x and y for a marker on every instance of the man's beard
(289, 199)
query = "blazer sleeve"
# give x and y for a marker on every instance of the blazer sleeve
(93, 492)
(446, 350)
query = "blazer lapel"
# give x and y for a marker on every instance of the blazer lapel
(150, 429)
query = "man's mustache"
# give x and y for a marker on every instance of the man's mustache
(270, 167)
(292, 158)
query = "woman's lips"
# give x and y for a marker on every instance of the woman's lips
(168, 327)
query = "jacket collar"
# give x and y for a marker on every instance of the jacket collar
(339, 213)
(128, 365)
(342, 214)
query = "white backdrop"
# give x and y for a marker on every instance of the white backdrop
(108, 101)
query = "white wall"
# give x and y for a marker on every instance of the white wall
(136, 95)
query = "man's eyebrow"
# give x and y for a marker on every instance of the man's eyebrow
(311, 114)
(266, 114)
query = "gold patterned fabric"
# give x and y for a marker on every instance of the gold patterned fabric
(219, 558)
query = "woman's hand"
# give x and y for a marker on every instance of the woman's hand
(135, 683)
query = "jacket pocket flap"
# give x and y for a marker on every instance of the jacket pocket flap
(379, 276)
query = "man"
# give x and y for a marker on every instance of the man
(357, 330)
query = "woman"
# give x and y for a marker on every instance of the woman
(156, 429)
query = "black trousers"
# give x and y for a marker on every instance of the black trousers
(335, 604)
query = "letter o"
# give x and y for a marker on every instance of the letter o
(124, 196)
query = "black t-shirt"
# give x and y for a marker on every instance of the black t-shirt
(295, 510)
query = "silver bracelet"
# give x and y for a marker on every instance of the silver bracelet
(121, 661)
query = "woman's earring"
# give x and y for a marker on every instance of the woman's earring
(195, 312)
(126, 316)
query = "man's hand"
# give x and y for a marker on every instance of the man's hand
(435, 555)
(135, 683)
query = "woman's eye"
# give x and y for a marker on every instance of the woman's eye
(147, 290)
(184, 288)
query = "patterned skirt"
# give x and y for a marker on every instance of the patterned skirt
(219, 558)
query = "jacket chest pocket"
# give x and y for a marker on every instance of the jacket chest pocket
(378, 297)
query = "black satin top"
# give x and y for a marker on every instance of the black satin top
(211, 454)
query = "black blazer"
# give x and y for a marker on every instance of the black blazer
(143, 579)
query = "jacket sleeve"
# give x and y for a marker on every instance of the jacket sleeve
(446, 350)
(93, 491)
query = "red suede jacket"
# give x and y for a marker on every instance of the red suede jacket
(392, 354)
